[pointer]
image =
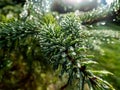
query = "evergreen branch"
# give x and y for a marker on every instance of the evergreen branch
(66, 45)
(106, 13)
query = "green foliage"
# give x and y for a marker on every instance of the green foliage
(111, 58)
(111, 14)
(68, 44)
(42, 40)
(10, 9)
(19, 54)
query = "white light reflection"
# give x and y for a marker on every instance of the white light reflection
(109, 1)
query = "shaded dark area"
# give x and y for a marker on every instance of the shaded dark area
(10, 9)
(4, 3)
(70, 6)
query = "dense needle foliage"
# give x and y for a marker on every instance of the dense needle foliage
(40, 40)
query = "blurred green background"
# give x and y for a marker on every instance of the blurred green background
(111, 59)
(10, 9)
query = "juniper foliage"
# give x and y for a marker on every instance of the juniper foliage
(62, 41)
